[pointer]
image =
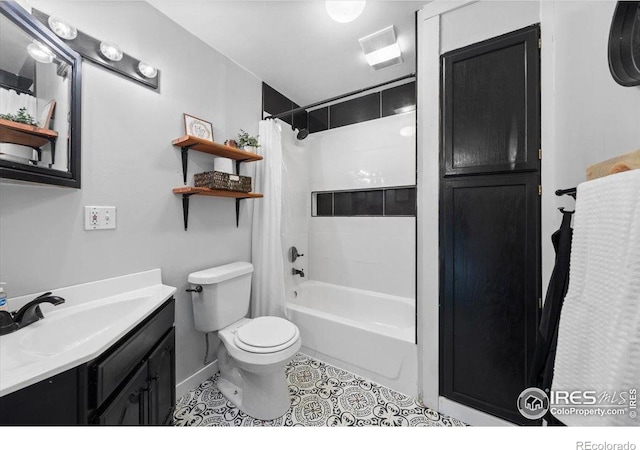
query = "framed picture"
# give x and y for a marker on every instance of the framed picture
(198, 128)
(45, 115)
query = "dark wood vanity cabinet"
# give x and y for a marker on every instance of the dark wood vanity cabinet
(132, 383)
(149, 397)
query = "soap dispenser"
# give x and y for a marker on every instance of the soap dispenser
(7, 324)
(3, 297)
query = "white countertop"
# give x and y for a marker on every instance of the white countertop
(94, 316)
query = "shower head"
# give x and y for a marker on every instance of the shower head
(302, 134)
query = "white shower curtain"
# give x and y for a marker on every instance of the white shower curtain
(267, 286)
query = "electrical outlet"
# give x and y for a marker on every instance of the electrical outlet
(99, 218)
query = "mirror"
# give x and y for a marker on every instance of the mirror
(40, 79)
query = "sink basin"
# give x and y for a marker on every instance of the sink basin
(62, 331)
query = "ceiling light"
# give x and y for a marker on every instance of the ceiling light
(40, 53)
(385, 54)
(110, 51)
(381, 48)
(62, 28)
(344, 11)
(146, 70)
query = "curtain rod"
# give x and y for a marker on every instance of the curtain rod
(339, 97)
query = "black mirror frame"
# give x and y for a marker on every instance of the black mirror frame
(16, 171)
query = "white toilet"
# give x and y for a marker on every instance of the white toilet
(252, 352)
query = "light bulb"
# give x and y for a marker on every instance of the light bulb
(62, 28)
(110, 51)
(40, 53)
(146, 70)
(344, 11)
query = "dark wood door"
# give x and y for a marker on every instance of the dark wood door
(162, 381)
(131, 404)
(490, 221)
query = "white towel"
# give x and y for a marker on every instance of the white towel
(599, 332)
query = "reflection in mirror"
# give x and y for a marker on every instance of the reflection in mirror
(37, 89)
(34, 88)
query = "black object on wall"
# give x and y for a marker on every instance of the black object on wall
(390, 101)
(382, 202)
(64, 54)
(89, 48)
(490, 221)
(624, 44)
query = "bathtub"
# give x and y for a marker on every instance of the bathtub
(368, 333)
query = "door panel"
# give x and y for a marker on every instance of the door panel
(490, 276)
(162, 378)
(130, 405)
(491, 108)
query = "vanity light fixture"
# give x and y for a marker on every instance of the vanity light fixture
(146, 70)
(344, 11)
(40, 53)
(62, 29)
(381, 49)
(110, 51)
(105, 53)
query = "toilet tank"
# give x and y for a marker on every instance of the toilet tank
(225, 295)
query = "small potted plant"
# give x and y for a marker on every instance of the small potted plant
(22, 116)
(247, 142)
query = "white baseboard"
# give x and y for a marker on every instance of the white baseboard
(196, 379)
(469, 415)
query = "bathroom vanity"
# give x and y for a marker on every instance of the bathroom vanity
(109, 360)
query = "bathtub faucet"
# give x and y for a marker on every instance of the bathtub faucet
(297, 272)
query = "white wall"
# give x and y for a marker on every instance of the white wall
(372, 253)
(586, 118)
(128, 162)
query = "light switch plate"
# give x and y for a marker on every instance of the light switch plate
(99, 218)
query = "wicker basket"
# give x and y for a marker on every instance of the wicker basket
(222, 181)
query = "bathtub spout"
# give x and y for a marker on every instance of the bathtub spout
(295, 272)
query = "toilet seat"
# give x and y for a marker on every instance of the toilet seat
(266, 335)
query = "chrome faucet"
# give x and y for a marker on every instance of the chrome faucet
(28, 314)
(295, 272)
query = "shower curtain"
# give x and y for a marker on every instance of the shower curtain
(267, 286)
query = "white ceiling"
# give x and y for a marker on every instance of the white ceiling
(294, 46)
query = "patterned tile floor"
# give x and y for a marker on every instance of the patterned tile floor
(321, 395)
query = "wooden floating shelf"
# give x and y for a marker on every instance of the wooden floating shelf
(23, 134)
(187, 190)
(202, 145)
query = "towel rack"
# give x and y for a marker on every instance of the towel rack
(572, 192)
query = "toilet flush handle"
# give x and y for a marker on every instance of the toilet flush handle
(197, 289)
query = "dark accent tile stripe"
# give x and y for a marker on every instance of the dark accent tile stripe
(318, 120)
(399, 99)
(400, 202)
(382, 202)
(355, 111)
(357, 203)
(324, 204)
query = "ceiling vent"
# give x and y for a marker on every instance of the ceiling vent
(381, 48)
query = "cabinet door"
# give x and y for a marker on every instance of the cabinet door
(490, 106)
(162, 381)
(489, 299)
(130, 405)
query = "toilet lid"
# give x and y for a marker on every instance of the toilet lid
(266, 334)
